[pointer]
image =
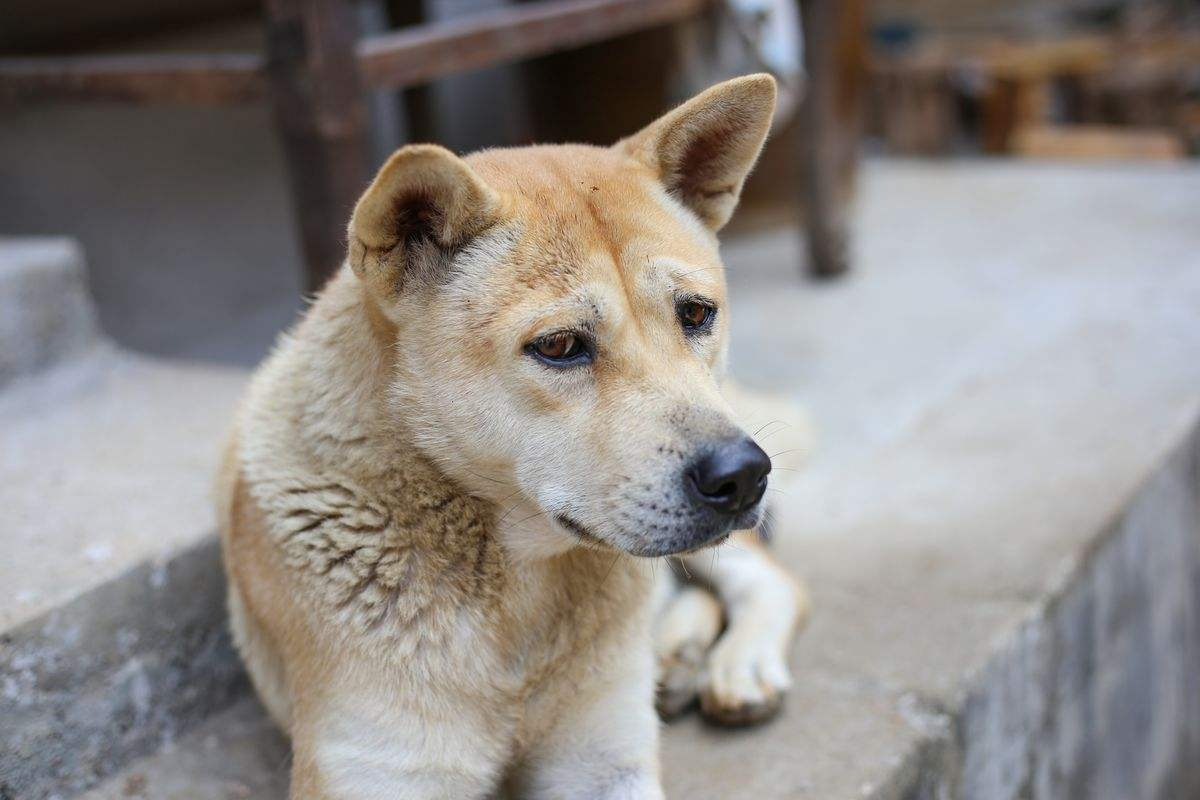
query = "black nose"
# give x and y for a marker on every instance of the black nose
(731, 477)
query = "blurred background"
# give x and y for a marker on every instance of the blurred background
(185, 188)
(971, 249)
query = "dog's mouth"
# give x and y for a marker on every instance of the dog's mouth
(713, 542)
(580, 531)
(674, 548)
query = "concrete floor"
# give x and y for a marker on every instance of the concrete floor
(1017, 347)
(104, 465)
(1013, 357)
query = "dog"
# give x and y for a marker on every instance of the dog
(454, 491)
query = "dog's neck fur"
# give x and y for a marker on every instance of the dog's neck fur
(353, 502)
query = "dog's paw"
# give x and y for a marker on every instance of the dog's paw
(679, 679)
(684, 632)
(743, 684)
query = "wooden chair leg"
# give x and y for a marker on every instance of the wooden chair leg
(831, 120)
(320, 111)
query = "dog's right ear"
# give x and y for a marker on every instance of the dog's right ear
(705, 148)
(424, 199)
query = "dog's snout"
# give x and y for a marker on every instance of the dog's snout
(730, 477)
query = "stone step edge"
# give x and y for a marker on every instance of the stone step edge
(114, 674)
(1035, 714)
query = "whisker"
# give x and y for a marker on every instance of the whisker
(610, 569)
(769, 424)
(785, 452)
(780, 429)
(671, 566)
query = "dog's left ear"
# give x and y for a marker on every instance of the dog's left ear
(704, 149)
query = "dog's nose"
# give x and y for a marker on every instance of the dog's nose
(731, 477)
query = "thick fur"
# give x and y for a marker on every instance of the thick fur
(441, 552)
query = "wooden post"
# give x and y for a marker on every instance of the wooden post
(320, 110)
(830, 124)
(419, 108)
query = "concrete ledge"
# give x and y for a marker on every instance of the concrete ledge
(1094, 695)
(1014, 361)
(112, 630)
(114, 675)
(1000, 530)
(112, 626)
(1097, 694)
(105, 462)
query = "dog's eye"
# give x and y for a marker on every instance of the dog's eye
(560, 349)
(558, 346)
(694, 315)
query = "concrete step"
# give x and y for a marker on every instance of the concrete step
(111, 628)
(1001, 529)
(1089, 691)
(236, 754)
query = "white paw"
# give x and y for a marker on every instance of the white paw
(745, 681)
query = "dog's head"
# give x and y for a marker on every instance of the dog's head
(561, 321)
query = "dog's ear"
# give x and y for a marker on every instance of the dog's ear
(705, 148)
(424, 201)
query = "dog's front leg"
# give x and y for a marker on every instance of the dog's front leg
(605, 744)
(369, 747)
(747, 671)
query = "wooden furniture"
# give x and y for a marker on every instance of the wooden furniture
(1028, 89)
(316, 70)
(1097, 142)
(831, 126)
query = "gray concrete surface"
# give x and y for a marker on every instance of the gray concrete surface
(114, 674)
(237, 754)
(105, 463)
(46, 314)
(999, 547)
(1097, 693)
(111, 625)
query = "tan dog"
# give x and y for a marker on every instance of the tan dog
(448, 487)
